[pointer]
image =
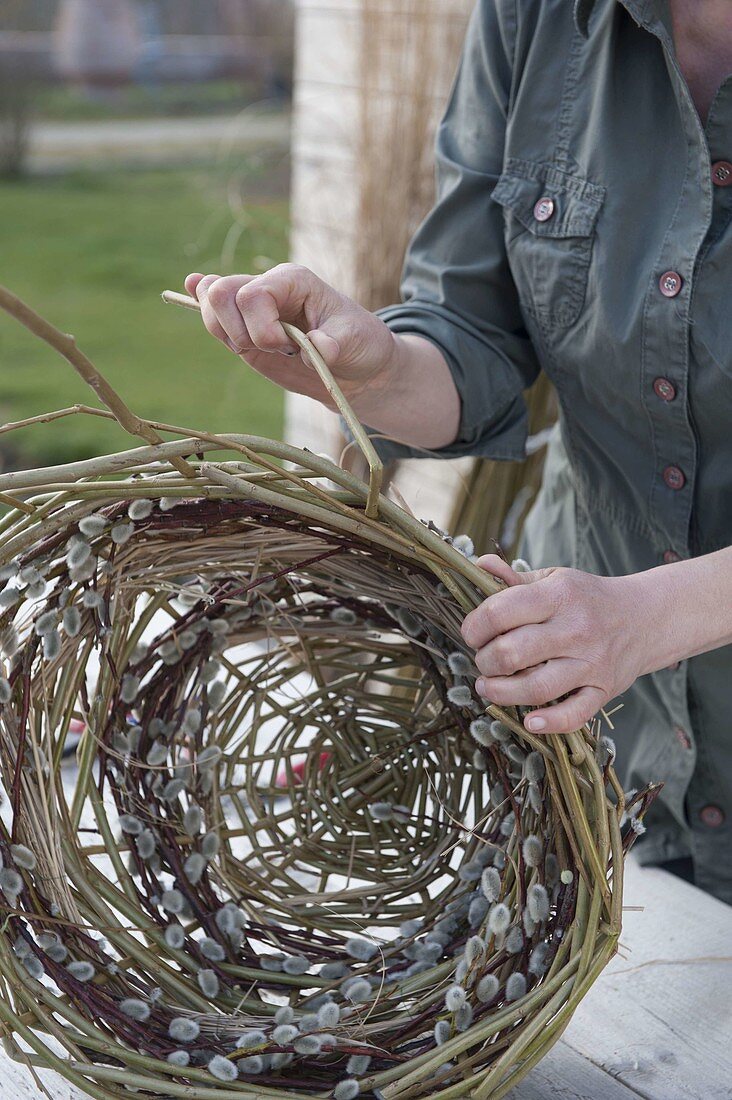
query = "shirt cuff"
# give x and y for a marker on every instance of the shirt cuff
(493, 414)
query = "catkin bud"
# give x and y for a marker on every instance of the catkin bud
(145, 844)
(135, 1009)
(514, 940)
(329, 1014)
(173, 901)
(442, 1032)
(359, 990)
(192, 820)
(91, 526)
(45, 623)
(477, 911)
(140, 509)
(487, 988)
(296, 964)
(11, 883)
(480, 730)
(51, 645)
(23, 857)
(208, 983)
(358, 1063)
(130, 688)
(175, 937)
(71, 621)
(459, 695)
(515, 986)
(210, 844)
(222, 1068)
(499, 918)
(157, 754)
(537, 959)
(490, 884)
(532, 849)
(212, 950)
(283, 1034)
(361, 949)
(347, 1089)
(455, 998)
(460, 664)
(83, 971)
(537, 900)
(183, 1029)
(474, 948)
(464, 545)
(122, 533)
(534, 767)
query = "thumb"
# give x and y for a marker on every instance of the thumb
(327, 345)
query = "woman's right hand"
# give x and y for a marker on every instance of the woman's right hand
(246, 312)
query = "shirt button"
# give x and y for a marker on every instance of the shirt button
(713, 816)
(664, 389)
(674, 477)
(670, 556)
(682, 737)
(722, 173)
(544, 209)
(670, 284)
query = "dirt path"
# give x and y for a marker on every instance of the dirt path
(63, 145)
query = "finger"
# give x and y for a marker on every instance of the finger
(512, 607)
(191, 282)
(570, 714)
(222, 297)
(493, 563)
(534, 687)
(518, 649)
(282, 292)
(497, 567)
(208, 313)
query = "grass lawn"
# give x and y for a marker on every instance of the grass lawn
(92, 253)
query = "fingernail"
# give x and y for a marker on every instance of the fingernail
(480, 685)
(535, 724)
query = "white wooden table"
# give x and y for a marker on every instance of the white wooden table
(657, 1024)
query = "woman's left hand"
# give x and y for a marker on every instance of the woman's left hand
(559, 632)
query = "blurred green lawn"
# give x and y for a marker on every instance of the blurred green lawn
(92, 253)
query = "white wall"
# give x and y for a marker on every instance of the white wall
(326, 196)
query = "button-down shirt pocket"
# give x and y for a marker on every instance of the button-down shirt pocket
(550, 219)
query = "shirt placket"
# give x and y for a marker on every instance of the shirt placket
(665, 380)
(718, 132)
(665, 396)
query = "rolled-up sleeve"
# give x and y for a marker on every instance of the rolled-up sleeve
(456, 287)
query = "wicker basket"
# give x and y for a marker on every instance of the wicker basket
(298, 857)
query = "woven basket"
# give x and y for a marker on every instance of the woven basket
(298, 856)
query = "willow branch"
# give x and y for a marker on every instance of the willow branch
(66, 346)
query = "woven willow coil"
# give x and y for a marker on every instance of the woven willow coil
(295, 854)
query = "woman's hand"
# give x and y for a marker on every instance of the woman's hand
(399, 384)
(560, 632)
(245, 312)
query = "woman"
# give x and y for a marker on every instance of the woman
(582, 227)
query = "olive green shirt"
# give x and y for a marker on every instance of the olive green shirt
(582, 228)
